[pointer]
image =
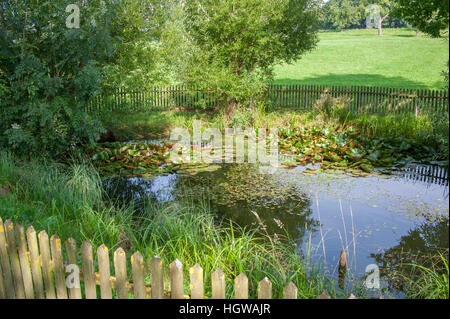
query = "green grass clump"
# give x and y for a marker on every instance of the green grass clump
(432, 284)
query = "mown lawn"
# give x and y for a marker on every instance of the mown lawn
(360, 57)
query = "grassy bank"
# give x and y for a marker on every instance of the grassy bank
(360, 57)
(427, 129)
(69, 201)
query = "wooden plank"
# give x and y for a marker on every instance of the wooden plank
(6, 266)
(2, 284)
(323, 295)
(241, 287)
(176, 280)
(24, 262)
(120, 271)
(218, 284)
(156, 272)
(104, 272)
(58, 265)
(196, 279)
(265, 289)
(138, 271)
(290, 291)
(47, 266)
(14, 260)
(90, 290)
(72, 256)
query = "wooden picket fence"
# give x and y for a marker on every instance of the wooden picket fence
(32, 266)
(359, 99)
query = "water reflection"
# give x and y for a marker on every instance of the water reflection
(421, 246)
(380, 219)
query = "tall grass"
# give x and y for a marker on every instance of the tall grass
(69, 201)
(432, 284)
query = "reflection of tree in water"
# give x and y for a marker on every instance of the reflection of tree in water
(138, 191)
(420, 246)
(238, 189)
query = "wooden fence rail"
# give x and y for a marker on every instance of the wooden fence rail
(34, 266)
(360, 99)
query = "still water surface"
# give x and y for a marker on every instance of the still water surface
(376, 219)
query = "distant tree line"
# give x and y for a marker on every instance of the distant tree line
(352, 14)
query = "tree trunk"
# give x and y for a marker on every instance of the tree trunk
(380, 29)
(231, 106)
(417, 33)
(380, 25)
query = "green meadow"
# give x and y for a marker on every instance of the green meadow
(359, 57)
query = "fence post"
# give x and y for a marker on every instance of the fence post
(176, 280)
(196, 279)
(24, 262)
(47, 266)
(14, 259)
(120, 271)
(241, 287)
(290, 291)
(265, 289)
(156, 272)
(88, 271)
(138, 271)
(104, 272)
(6, 267)
(218, 284)
(2, 284)
(71, 249)
(61, 289)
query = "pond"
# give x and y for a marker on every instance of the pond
(386, 220)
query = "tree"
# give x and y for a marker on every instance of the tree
(431, 17)
(231, 46)
(341, 14)
(49, 72)
(382, 8)
(138, 61)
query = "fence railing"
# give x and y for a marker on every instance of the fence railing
(34, 266)
(281, 97)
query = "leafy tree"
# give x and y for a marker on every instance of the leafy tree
(49, 72)
(233, 45)
(139, 61)
(384, 8)
(430, 17)
(342, 14)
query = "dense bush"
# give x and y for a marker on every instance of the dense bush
(48, 74)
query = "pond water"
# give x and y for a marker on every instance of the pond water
(377, 219)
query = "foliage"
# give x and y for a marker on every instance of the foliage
(350, 151)
(431, 17)
(231, 46)
(349, 14)
(342, 14)
(138, 61)
(132, 159)
(432, 284)
(51, 72)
